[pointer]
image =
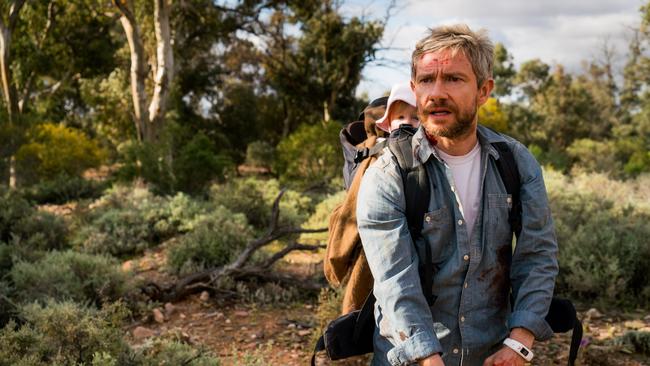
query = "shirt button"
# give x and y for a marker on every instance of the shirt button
(466, 257)
(427, 219)
(509, 199)
(455, 350)
(462, 318)
(466, 285)
(460, 222)
(453, 189)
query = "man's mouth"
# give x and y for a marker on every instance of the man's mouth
(440, 112)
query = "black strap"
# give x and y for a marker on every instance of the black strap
(509, 173)
(417, 195)
(576, 339)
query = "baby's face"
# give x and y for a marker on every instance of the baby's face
(400, 113)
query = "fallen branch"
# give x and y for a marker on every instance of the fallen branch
(241, 268)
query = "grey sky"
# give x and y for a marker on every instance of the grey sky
(555, 31)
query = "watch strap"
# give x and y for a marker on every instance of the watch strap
(521, 350)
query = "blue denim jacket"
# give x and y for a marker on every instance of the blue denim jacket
(473, 275)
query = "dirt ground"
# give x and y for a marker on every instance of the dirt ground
(241, 333)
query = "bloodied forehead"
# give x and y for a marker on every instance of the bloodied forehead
(445, 60)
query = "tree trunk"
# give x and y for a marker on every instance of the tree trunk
(149, 120)
(8, 86)
(164, 69)
(138, 67)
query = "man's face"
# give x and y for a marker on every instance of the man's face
(447, 94)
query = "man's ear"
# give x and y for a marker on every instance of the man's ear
(484, 91)
(412, 83)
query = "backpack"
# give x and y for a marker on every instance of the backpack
(352, 334)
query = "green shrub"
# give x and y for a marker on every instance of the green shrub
(260, 154)
(172, 352)
(63, 189)
(254, 198)
(64, 334)
(604, 254)
(180, 161)
(53, 149)
(21, 223)
(199, 163)
(70, 275)
(311, 155)
(128, 220)
(320, 218)
(635, 341)
(214, 242)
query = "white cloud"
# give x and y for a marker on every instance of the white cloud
(555, 31)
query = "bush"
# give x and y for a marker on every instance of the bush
(128, 220)
(604, 254)
(172, 352)
(180, 161)
(64, 334)
(311, 155)
(254, 198)
(52, 149)
(70, 275)
(22, 224)
(64, 189)
(260, 154)
(635, 342)
(320, 218)
(214, 242)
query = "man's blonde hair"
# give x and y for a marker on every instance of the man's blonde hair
(476, 46)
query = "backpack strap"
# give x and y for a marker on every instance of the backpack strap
(417, 195)
(509, 173)
(363, 154)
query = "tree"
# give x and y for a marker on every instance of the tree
(149, 112)
(504, 71)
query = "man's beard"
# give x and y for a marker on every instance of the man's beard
(460, 128)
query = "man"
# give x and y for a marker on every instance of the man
(467, 225)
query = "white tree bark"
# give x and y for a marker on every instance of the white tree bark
(149, 115)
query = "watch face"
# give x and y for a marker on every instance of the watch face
(524, 352)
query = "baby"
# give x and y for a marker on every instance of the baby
(400, 109)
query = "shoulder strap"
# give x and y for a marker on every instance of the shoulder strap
(509, 173)
(417, 194)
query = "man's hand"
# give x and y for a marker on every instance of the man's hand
(433, 360)
(504, 357)
(508, 357)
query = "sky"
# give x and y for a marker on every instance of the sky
(565, 32)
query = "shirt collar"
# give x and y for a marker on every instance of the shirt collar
(423, 150)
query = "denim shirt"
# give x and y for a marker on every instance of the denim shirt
(473, 276)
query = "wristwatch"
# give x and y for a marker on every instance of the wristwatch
(521, 350)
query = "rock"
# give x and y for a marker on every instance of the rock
(169, 309)
(158, 315)
(647, 318)
(127, 266)
(228, 321)
(241, 313)
(183, 316)
(304, 332)
(216, 314)
(140, 333)
(205, 296)
(593, 313)
(291, 325)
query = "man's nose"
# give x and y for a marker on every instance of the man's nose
(437, 90)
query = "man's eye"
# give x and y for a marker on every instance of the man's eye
(426, 80)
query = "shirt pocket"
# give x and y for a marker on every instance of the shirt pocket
(437, 230)
(498, 225)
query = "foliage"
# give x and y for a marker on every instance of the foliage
(635, 341)
(254, 198)
(70, 275)
(63, 189)
(311, 155)
(215, 241)
(178, 161)
(491, 115)
(603, 239)
(63, 333)
(260, 154)
(22, 224)
(54, 149)
(128, 220)
(172, 352)
(320, 218)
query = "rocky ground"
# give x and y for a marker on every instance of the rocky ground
(245, 333)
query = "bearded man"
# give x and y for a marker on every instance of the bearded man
(466, 226)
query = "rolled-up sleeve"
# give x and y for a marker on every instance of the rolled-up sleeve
(405, 318)
(534, 262)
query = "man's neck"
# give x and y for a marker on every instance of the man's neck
(458, 146)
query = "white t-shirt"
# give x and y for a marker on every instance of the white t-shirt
(466, 173)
